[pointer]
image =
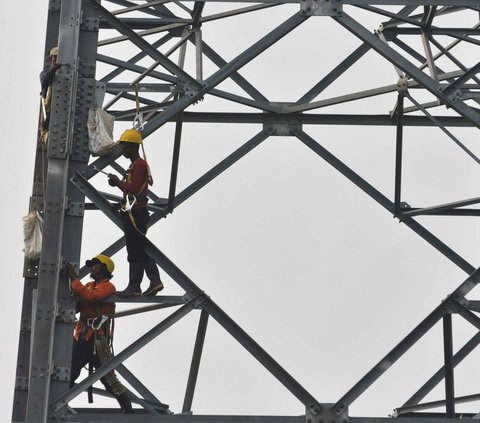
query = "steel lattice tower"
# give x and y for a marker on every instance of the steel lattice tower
(437, 86)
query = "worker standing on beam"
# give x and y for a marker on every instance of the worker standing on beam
(94, 330)
(135, 216)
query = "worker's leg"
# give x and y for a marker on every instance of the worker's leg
(110, 380)
(133, 224)
(81, 355)
(153, 274)
(151, 268)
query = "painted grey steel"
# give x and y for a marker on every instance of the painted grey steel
(213, 309)
(383, 201)
(42, 389)
(398, 152)
(86, 417)
(449, 374)
(434, 404)
(194, 367)
(30, 272)
(409, 340)
(439, 125)
(149, 336)
(71, 89)
(136, 384)
(440, 374)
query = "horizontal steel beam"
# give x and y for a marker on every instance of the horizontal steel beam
(316, 119)
(460, 3)
(117, 87)
(435, 404)
(85, 416)
(442, 207)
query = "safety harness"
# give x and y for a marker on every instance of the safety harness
(131, 201)
(105, 321)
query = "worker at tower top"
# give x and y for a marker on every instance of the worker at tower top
(46, 80)
(94, 330)
(135, 217)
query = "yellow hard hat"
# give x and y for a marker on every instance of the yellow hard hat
(54, 51)
(131, 135)
(107, 261)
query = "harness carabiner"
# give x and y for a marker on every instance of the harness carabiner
(127, 207)
(138, 122)
(91, 322)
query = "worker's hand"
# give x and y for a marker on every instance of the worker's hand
(113, 180)
(72, 274)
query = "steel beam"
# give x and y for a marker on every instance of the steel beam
(195, 365)
(440, 374)
(399, 61)
(214, 310)
(383, 201)
(449, 375)
(119, 358)
(73, 94)
(225, 72)
(398, 154)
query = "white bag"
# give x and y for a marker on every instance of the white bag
(100, 131)
(32, 235)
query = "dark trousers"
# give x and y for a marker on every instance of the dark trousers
(135, 234)
(135, 225)
(95, 351)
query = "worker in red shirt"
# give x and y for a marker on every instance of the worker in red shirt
(92, 334)
(135, 217)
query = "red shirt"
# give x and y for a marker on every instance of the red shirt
(136, 181)
(91, 294)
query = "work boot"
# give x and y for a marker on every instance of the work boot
(156, 284)
(153, 289)
(135, 279)
(125, 403)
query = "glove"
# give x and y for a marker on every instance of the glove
(72, 274)
(113, 180)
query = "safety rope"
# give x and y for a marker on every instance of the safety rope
(138, 124)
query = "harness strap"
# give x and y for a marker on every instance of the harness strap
(90, 388)
(139, 116)
(132, 219)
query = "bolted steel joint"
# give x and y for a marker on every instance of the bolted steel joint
(329, 414)
(321, 7)
(402, 84)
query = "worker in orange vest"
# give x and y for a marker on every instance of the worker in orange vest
(93, 331)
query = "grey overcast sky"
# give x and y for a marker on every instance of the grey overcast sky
(314, 270)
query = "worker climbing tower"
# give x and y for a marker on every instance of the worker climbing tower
(131, 59)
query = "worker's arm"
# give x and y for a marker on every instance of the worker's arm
(46, 78)
(88, 292)
(139, 178)
(92, 293)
